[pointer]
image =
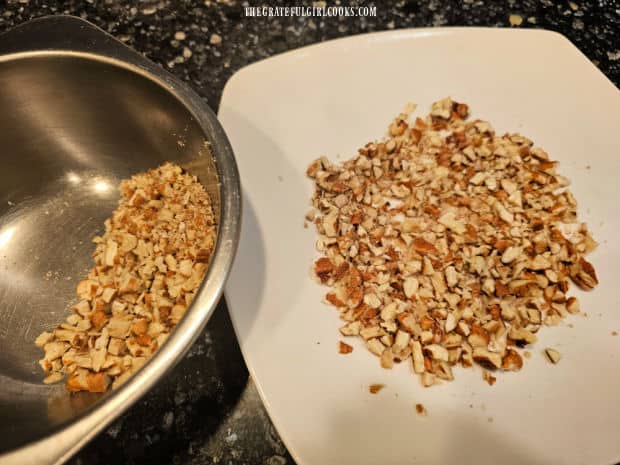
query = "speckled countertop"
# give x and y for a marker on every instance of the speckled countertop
(208, 410)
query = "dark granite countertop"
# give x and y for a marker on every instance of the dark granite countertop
(208, 410)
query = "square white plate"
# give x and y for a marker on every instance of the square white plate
(332, 98)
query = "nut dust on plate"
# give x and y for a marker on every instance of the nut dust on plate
(448, 244)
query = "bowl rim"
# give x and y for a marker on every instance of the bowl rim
(69, 36)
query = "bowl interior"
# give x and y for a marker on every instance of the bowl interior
(72, 127)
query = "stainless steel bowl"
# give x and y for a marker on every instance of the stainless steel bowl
(79, 112)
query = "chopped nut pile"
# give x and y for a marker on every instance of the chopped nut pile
(148, 266)
(447, 244)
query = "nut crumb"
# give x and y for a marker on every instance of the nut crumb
(488, 377)
(420, 409)
(614, 333)
(553, 355)
(375, 388)
(344, 348)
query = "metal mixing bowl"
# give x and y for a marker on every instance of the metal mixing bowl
(80, 111)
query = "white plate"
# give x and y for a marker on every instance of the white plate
(332, 98)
